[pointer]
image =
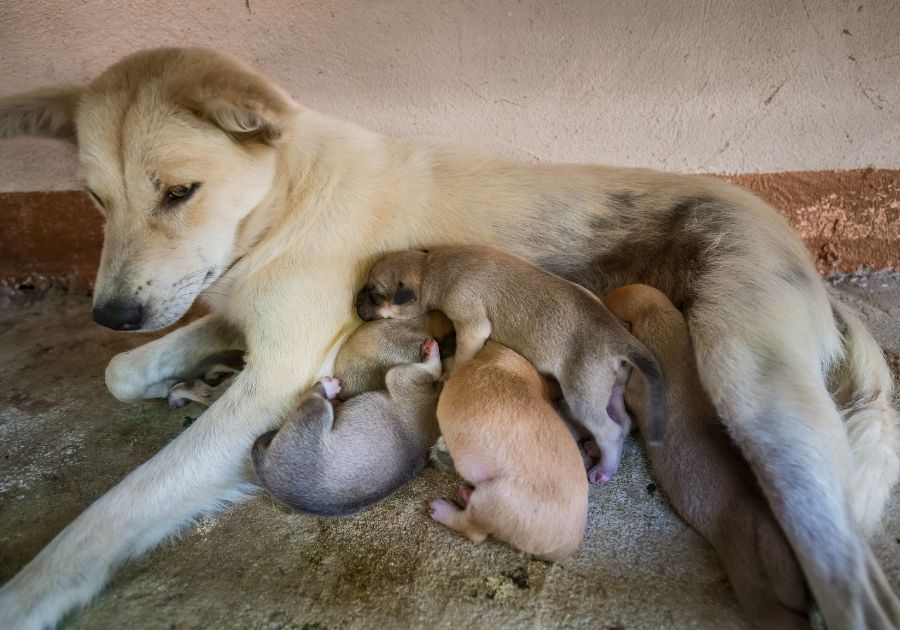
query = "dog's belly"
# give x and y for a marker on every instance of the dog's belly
(601, 248)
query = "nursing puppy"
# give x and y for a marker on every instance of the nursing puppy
(558, 326)
(495, 412)
(335, 461)
(703, 472)
(361, 364)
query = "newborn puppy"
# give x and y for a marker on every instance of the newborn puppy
(561, 328)
(495, 412)
(704, 473)
(336, 461)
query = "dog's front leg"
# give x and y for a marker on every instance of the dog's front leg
(149, 370)
(193, 474)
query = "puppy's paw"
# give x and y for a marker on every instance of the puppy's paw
(442, 510)
(439, 455)
(430, 350)
(186, 392)
(598, 475)
(464, 493)
(331, 385)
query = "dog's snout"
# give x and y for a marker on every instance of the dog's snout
(119, 316)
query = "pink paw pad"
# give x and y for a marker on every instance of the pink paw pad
(430, 349)
(331, 385)
(598, 476)
(440, 510)
(464, 493)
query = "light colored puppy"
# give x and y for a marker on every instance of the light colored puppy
(561, 328)
(507, 440)
(703, 472)
(339, 461)
(216, 184)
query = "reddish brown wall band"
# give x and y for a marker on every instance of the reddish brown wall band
(848, 219)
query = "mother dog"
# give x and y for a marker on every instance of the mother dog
(212, 180)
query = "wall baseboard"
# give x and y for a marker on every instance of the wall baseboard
(848, 219)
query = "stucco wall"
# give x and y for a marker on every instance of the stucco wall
(690, 86)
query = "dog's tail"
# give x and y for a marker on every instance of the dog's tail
(861, 385)
(643, 360)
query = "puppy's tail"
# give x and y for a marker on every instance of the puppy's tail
(645, 363)
(861, 385)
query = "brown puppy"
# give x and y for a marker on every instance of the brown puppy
(704, 473)
(492, 410)
(558, 326)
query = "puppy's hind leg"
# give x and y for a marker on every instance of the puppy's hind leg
(600, 409)
(448, 513)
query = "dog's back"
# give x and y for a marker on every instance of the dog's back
(703, 472)
(507, 440)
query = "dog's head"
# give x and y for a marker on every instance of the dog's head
(177, 147)
(393, 288)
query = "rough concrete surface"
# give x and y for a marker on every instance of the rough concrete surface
(64, 440)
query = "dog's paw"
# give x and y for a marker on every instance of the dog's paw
(331, 385)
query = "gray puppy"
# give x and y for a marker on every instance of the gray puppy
(336, 460)
(561, 328)
(704, 473)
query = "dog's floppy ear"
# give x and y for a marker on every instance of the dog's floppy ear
(240, 102)
(49, 113)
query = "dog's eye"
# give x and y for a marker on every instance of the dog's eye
(180, 193)
(96, 198)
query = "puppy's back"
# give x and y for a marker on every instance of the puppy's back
(507, 439)
(704, 473)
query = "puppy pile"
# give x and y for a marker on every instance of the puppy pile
(540, 363)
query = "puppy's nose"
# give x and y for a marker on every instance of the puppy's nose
(119, 316)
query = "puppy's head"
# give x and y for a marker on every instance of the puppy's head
(177, 148)
(393, 288)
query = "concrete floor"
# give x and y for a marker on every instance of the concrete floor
(64, 441)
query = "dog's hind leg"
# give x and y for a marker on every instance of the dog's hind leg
(767, 385)
(150, 370)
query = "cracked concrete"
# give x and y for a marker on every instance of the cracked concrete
(64, 441)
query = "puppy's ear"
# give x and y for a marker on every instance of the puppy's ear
(238, 101)
(47, 113)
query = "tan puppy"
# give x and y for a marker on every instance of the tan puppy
(492, 411)
(703, 472)
(558, 326)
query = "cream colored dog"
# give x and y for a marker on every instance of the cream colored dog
(214, 182)
(507, 440)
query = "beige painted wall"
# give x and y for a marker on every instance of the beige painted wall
(690, 86)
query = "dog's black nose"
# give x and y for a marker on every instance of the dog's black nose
(119, 316)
